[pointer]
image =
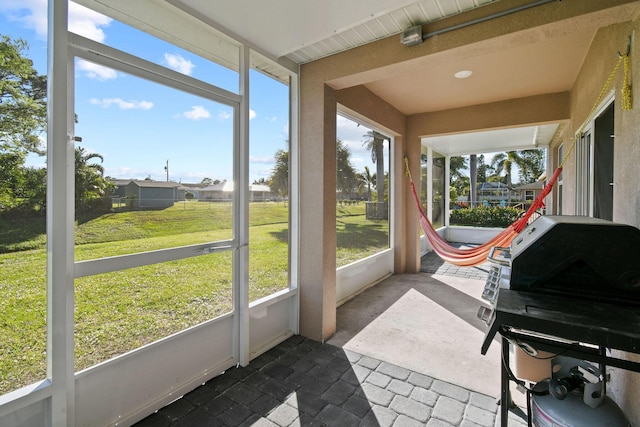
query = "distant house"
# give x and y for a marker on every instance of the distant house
(260, 193)
(495, 192)
(161, 194)
(189, 188)
(141, 194)
(223, 191)
(529, 192)
(120, 187)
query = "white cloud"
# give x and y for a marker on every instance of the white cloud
(179, 63)
(263, 172)
(224, 115)
(126, 172)
(353, 137)
(122, 104)
(357, 161)
(262, 159)
(197, 112)
(87, 23)
(95, 71)
(32, 14)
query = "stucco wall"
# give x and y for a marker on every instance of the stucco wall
(624, 387)
(317, 208)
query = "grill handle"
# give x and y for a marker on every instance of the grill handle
(503, 256)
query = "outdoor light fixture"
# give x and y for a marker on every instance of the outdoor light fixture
(463, 74)
(412, 36)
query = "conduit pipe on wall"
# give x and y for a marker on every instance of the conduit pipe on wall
(487, 18)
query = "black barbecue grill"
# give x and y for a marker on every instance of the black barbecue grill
(578, 257)
(567, 285)
(587, 260)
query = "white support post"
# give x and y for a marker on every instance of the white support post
(60, 217)
(396, 172)
(241, 172)
(447, 197)
(294, 208)
(429, 188)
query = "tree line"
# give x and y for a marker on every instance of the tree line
(23, 121)
(500, 168)
(349, 182)
(530, 165)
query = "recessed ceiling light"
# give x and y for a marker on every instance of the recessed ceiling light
(463, 74)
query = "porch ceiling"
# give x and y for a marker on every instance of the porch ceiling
(521, 138)
(539, 61)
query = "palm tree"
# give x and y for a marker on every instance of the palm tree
(504, 162)
(483, 170)
(368, 180)
(534, 165)
(260, 181)
(89, 177)
(375, 144)
(458, 182)
(279, 179)
(457, 164)
(346, 177)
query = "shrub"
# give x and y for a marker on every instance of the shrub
(483, 216)
(98, 205)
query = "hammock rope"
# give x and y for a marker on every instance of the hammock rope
(479, 254)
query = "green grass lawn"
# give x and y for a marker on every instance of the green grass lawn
(359, 238)
(120, 311)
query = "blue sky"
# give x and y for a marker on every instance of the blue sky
(139, 126)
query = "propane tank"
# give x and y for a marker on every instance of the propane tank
(548, 411)
(574, 397)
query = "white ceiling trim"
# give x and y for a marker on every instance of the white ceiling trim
(384, 24)
(514, 139)
(306, 31)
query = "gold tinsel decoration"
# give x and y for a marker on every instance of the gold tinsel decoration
(626, 102)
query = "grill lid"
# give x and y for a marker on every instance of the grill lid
(579, 257)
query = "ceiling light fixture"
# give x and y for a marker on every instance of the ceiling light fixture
(463, 74)
(412, 36)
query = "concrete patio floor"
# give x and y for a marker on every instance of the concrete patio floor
(406, 352)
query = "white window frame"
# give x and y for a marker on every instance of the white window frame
(585, 160)
(584, 173)
(353, 278)
(559, 183)
(529, 195)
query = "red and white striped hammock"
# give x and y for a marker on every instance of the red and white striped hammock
(478, 254)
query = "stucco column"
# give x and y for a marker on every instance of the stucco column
(411, 224)
(317, 285)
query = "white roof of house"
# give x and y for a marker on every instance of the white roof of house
(260, 187)
(220, 186)
(145, 183)
(227, 186)
(538, 185)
